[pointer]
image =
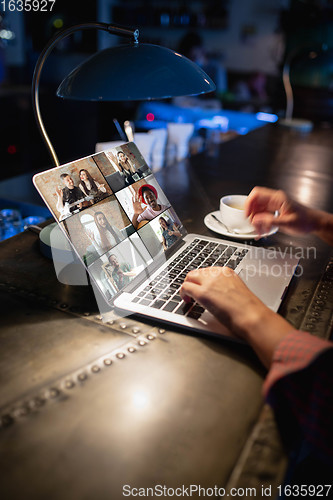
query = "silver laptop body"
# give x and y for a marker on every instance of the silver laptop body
(139, 262)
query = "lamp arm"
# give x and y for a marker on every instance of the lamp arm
(286, 78)
(288, 89)
(111, 28)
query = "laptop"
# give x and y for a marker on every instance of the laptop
(135, 248)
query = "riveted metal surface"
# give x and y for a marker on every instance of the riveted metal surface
(149, 399)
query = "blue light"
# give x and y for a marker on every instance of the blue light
(266, 117)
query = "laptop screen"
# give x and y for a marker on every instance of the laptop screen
(114, 212)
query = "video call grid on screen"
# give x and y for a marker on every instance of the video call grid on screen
(92, 199)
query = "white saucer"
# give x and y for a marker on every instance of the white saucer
(212, 224)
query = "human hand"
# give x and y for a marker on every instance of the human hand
(59, 192)
(136, 204)
(269, 207)
(90, 234)
(221, 291)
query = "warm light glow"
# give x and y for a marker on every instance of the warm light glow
(140, 400)
(150, 117)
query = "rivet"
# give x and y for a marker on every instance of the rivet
(312, 320)
(142, 342)
(21, 412)
(309, 326)
(95, 369)
(99, 318)
(110, 322)
(150, 336)
(54, 392)
(120, 355)
(123, 326)
(136, 329)
(6, 420)
(86, 314)
(82, 376)
(69, 384)
(63, 306)
(12, 288)
(37, 402)
(161, 331)
(131, 349)
(107, 362)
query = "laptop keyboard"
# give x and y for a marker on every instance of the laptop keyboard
(163, 291)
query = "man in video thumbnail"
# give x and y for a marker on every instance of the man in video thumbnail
(68, 197)
(120, 273)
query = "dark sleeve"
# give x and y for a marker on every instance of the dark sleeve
(299, 387)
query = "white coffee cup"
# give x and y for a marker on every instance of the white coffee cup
(232, 213)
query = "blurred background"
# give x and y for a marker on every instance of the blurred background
(241, 44)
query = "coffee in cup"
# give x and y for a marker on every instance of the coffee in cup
(232, 213)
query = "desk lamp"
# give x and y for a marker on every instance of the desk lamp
(123, 73)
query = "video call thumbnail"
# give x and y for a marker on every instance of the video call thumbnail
(73, 187)
(118, 267)
(98, 229)
(122, 166)
(143, 201)
(161, 233)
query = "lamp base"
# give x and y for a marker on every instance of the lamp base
(54, 245)
(296, 124)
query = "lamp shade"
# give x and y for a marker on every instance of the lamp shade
(135, 72)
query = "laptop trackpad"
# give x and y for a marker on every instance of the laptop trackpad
(266, 287)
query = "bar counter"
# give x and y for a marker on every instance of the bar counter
(87, 408)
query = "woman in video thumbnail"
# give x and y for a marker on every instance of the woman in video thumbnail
(170, 232)
(89, 186)
(105, 237)
(147, 194)
(127, 170)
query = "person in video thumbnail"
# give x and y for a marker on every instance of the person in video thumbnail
(68, 198)
(105, 236)
(170, 232)
(127, 169)
(120, 274)
(146, 194)
(89, 186)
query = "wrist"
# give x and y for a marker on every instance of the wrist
(263, 330)
(248, 325)
(324, 223)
